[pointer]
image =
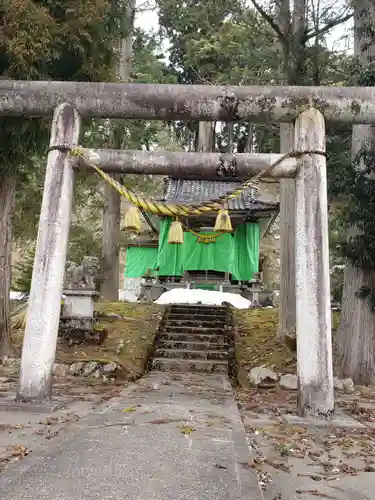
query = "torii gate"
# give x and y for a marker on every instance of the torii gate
(307, 107)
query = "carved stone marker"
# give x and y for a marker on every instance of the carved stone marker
(80, 284)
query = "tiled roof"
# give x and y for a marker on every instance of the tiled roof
(192, 191)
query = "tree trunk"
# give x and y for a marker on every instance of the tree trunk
(7, 187)
(287, 305)
(205, 137)
(355, 337)
(292, 69)
(111, 240)
(112, 207)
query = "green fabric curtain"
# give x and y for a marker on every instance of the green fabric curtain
(237, 254)
(246, 251)
(169, 259)
(138, 260)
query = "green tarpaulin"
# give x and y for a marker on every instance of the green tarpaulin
(237, 254)
(138, 260)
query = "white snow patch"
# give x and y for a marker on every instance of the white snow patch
(126, 296)
(16, 295)
(207, 297)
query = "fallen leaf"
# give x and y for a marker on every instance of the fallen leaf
(314, 477)
(17, 450)
(218, 466)
(210, 423)
(315, 493)
(129, 410)
(52, 435)
(278, 465)
(163, 421)
(187, 430)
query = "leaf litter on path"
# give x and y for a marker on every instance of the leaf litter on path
(335, 452)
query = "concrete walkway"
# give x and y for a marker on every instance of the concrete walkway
(168, 437)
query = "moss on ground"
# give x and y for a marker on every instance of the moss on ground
(130, 340)
(256, 343)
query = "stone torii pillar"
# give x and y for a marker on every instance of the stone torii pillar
(313, 302)
(43, 313)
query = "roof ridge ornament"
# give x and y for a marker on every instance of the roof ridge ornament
(227, 166)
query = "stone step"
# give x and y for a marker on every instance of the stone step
(197, 307)
(192, 345)
(207, 323)
(189, 365)
(200, 330)
(210, 311)
(192, 355)
(193, 337)
(197, 317)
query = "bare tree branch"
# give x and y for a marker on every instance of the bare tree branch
(328, 26)
(271, 22)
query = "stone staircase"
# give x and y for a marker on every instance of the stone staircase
(195, 338)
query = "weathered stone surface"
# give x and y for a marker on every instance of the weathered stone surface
(192, 354)
(337, 384)
(189, 365)
(90, 368)
(313, 301)
(83, 276)
(187, 165)
(60, 370)
(109, 368)
(76, 368)
(194, 345)
(262, 375)
(195, 338)
(276, 298)
(114, 315)
(289, 381)
(44, 302)
(348, 385)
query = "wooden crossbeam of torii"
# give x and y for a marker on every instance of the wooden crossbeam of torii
(307, 107)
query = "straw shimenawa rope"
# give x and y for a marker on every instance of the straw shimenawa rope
(184, 210)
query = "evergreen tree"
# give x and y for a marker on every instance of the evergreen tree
(42, 40)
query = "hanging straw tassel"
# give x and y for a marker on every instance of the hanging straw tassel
(132, 220)
(176, 233)
(223, 223)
